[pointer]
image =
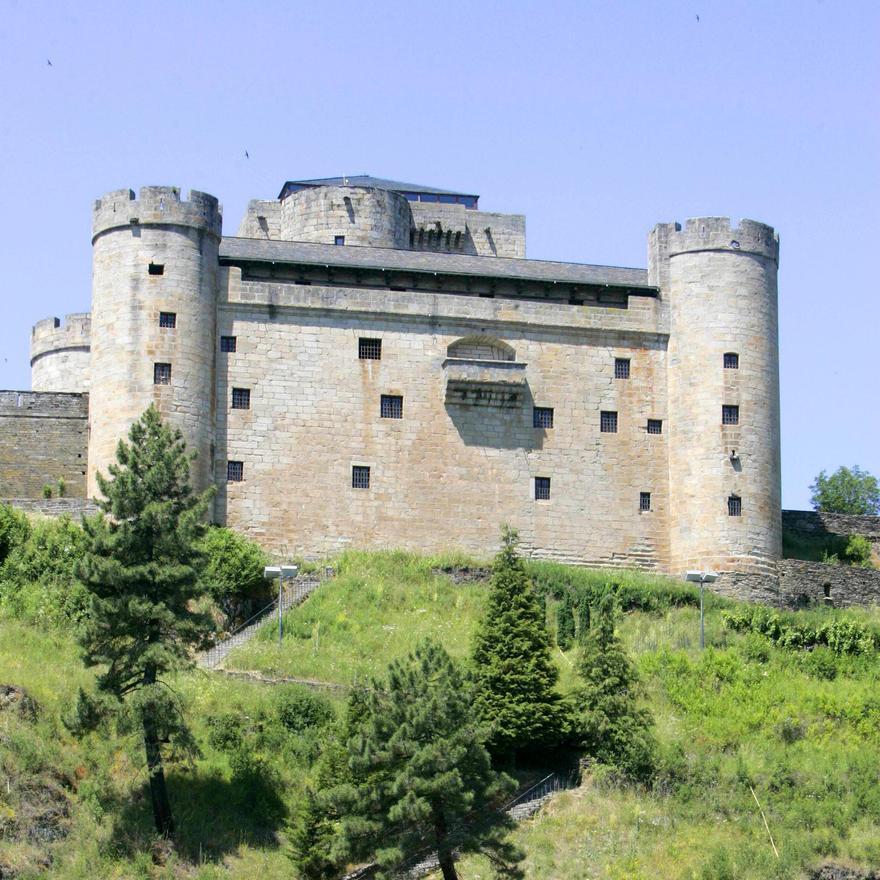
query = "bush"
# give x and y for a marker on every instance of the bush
(820, 663)
(299, 709)
(858, 551)
(14, 530)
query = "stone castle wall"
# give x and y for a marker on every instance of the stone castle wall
(60, 354)
(814, 523)
(43, 438)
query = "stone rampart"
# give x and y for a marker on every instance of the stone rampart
(156, 206)
(60, 353)
(43, 439)
(75, 508)
(814, 523)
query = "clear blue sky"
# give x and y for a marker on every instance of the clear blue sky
(595, 119)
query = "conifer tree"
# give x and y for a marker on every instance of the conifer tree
(565, 623)
(583, 619)
(141, 568)
(611, 727)
(422, 780)
(513, 668)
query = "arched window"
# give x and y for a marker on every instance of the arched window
(481, 348)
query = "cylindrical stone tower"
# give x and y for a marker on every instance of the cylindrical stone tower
(153, 319)
(359, 215)
(60, 354)
(719, 286)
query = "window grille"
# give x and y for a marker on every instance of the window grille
(360, 477)
(161, 374)
(241, 398)
(644, 501)
(729, 415)
(542, 488)
(168, 319)
(608, 422)
(227, 343)
(156, 269)
(621, 368)
(734, 506)
(234, 471)
(391, 406)
(655, 426)
(731, 361)
(369, 349)
(542, 416)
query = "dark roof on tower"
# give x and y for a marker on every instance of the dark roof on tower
(375, 182)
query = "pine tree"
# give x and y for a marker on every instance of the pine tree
(583, 619)
(310, 839)
(513, 668)
(422, 778)
(565, 623)
(141, 569)
(611, 727)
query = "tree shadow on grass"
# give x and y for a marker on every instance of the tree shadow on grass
(213, 815)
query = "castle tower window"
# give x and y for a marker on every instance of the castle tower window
(542, 417)
(360, 477)
(734, 506)
(227, 343)
(241, 398)
(608, 422)
(731, 360)
(729, 415)
(644, 501)
(391, 406)
(234, 471)
(621, 368)
(369, 349)
(339, 239)
(168, 319)
(161, 374)
(542, 488)
(156, 269)
(655, 426)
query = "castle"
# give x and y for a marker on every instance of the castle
(373, 363)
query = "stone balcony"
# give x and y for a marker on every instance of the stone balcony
(473, 382)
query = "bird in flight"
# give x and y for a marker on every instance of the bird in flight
(698, 19)
(247, 155)
(49, 63)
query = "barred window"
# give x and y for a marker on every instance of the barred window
(621, 368)
(542, 488)
(241, 398)
(227, 343)
(608, 422)
(168, 319)
(339, 239)
(729, 415)
(360, 477)
(161, 374)
(234, 471)
(391, 406)
(655, 426)
(644, 501)
(542, 416)
(734, 506)
(156, 269)
(369, 349)
(731, 360)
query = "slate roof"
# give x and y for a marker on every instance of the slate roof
(239, 250)
(375, 182)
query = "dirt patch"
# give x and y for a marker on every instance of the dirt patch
(841, 872)
(463, 574)
(16, 699)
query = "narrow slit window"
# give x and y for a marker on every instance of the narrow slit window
(339, 239)
(644, 501)
(608, 422)
(161, 374)
(227, 343)
(168, 319)
(734, 506)
(542, 417)
(542, 488)
(156, 269)
(391, 406)
(234, 471)
(729, 415)
(241, 398)
(731, 360)
(621, 368)
(655, 426)
(369, 349)
(360, 477)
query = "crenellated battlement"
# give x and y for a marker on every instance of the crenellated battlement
(156, 205)
(716, 234)
(53, 334)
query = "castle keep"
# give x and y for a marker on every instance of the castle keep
(372, 363)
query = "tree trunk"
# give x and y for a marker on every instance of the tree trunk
(158, 790)
(444, 854)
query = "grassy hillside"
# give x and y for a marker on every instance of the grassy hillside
(802, 727)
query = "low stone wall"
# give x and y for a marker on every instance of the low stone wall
(75, 508)
(813, 523)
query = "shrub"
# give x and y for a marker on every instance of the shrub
(858, 551)
(756, 648)
(565, 623)
(299, 709)
(14, 530)
(820, 663)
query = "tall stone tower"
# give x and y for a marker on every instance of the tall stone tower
(153, 319)
(719, 286)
